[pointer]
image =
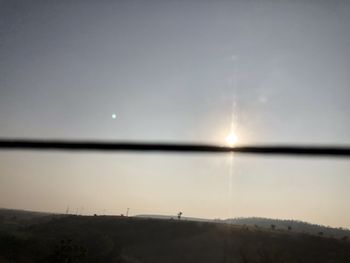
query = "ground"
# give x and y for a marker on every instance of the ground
(60, 238)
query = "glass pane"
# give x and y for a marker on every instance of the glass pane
(223, 73)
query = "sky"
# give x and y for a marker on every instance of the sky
(273, 72)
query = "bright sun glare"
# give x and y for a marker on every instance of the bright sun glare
(231, 139)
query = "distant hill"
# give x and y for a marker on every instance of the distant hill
(69, 238)
(21, 214)
(167, 217)
(296, 226)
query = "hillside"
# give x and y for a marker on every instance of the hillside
(258, 222)
(296, 226)
(57, 238)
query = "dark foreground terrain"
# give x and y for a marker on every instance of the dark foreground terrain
(36, 237)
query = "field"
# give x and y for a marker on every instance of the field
(39, 237)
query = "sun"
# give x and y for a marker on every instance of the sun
(231, 139)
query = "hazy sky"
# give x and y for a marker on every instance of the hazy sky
(176, 71)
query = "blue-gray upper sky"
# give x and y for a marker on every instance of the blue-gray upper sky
(176, 71)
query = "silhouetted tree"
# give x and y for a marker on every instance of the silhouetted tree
(179, 215)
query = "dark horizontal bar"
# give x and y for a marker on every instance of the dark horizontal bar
(24, 144)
